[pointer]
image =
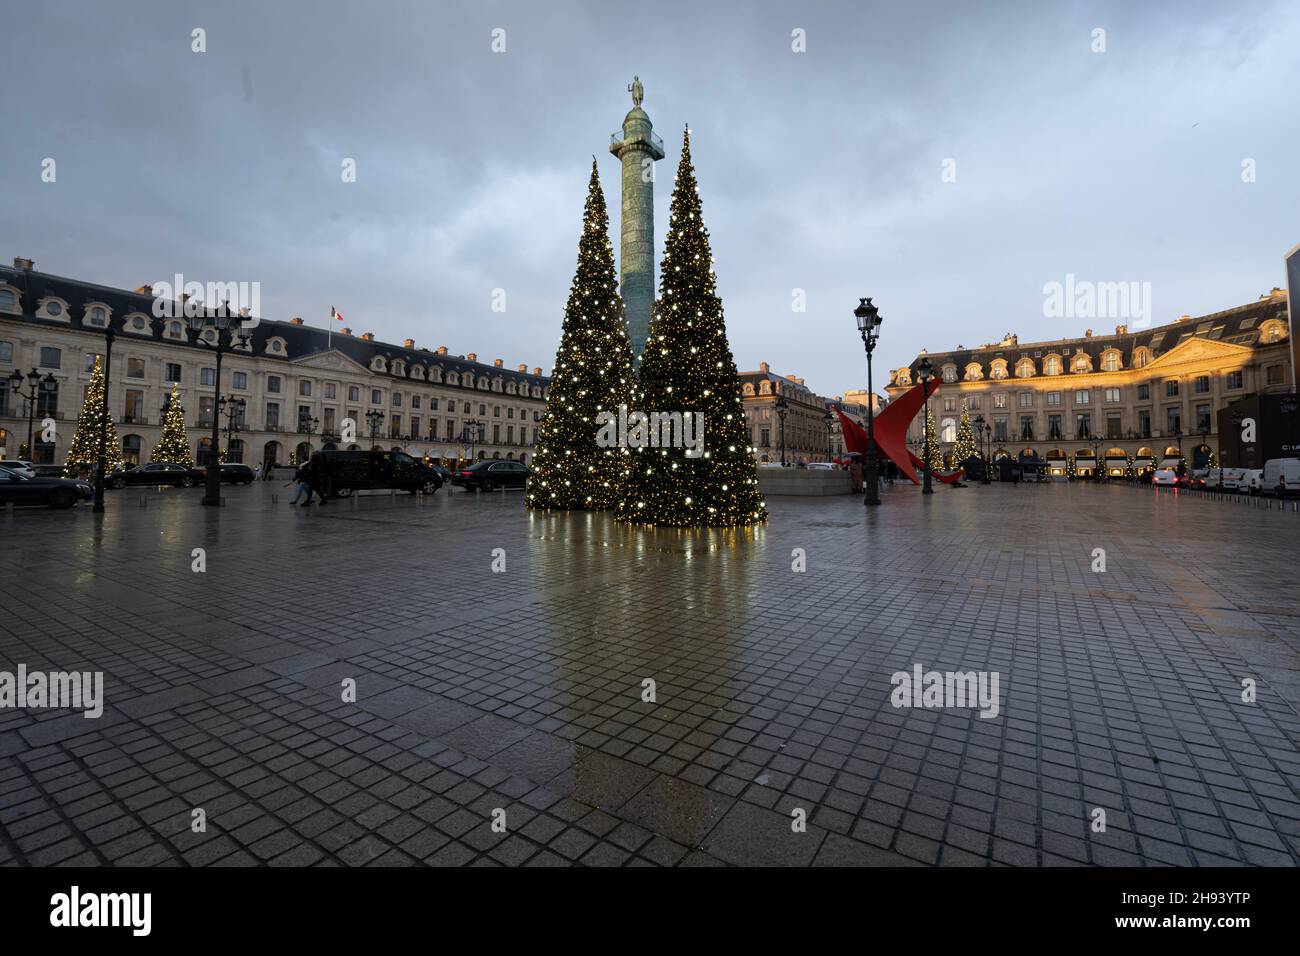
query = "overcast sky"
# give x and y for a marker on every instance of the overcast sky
(821, 170)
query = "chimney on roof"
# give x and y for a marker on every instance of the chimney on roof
(1121, 329)
(368, 336)
(346, 331)
(764, 367)
(498, 363)
(523, 367)
(442, 350)
(1184, 318)
(296, 320)
(537, 371)
(472, 356)
(409, 343)
(1087, 334)
(21, 263)
(145, 290)
(1274, 293)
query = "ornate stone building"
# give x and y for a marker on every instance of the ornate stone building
(807, 421)
(299, 384)
(1150, 393)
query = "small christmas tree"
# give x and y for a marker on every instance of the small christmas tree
(173, 447)
(84, 453)
(687, 370)
(592, 374)
(966, 447)
(932, 438)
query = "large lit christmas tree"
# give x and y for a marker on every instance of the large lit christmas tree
(173, 447)
(966, 446)
(688, 368)
(84, 453)
(592, 374)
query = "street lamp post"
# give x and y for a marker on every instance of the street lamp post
(868, 319)
(829, 419)
(1096, 461)
(472, 432)
(782, 409)
(229, 333)
(923, 372)
(980, 426)
(233, 409)
(36, 387)
(375, 418)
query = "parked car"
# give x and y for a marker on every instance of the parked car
(344, 472)
(234, 474)
(157, 473)
(1253, 480)
(49, 471)
(822, 466)
(1165, 478)
(491, 475)
(20, 465)
(1281, 477)
(53, 492)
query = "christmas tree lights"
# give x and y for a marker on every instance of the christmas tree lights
(688, 367)
(84, 453)
(966, 447)
(592, 374)
(173, 447)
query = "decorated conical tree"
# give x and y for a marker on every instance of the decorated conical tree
(84, 453)
(173, 447)
(687, 369)
(932, 436)
(593, 374)
(965, 447)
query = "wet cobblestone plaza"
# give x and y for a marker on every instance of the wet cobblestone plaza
(521, 689)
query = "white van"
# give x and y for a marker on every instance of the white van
(1252, 480)
(1281, 477)
(1165, 478)
(1229, 479)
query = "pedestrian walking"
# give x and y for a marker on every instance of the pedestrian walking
(304, 485)
(257, 472)
(855, 473)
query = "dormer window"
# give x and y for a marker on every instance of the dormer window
(8, 300)
(1081, 363)
(53, 309)
(974, 372)
(1110, 362)
(1271, 332)
(999, 369)
(175, 331)
(950, 373)
(1052, 365)
(1025, 368)
(97, 316)
(399, 367)
(378, 364)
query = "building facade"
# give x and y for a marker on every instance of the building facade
(1099, 401)
(301, 386)
(807, 420)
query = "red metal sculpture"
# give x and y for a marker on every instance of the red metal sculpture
(890, 426)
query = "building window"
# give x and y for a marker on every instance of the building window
(207, 376)
(8, 303)
(304, 389)
(239, 380)
(273, 384)
(1171, 388)
(135, 368)
(1202, 386)
(396, 400)
(1026, 427)
(1083, 425)
(950, 404)
(1174, 420)
(1026, 399)
(451, 429)
(272, 416)
(465, 407)
(329, 389)
(1053, 398)
(1110, 362)
(205, 411)
(51, 357)
(354, 393)
(133, 411)
(6, 353)
(415, 403)
(415, 426)
(1203, 418)
(1112, 395)
(1234, 379)
(1000, 429)
(1144, 423)
(47, 403)
(172, 372)
(1052, 365)
(1000, 400)
(376, 397)
(496, 434)
(765, 438)
(1054, 426)
(433, 404)
(1082, 396)
(1113, 429)
(1273, 375)
(1081, 364)
(974, 405)
(1144, 392)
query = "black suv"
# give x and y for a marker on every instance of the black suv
(344, 472)
(237, 474)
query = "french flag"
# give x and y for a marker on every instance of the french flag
(336, 314)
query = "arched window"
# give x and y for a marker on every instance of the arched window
(974, 372)
(998, 369)
(1141, 357)
(1052, 365)
(948, 431)
(1110, 361)
(1081, 363)
(1025, 368)
(950, 373)
(131, 450)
